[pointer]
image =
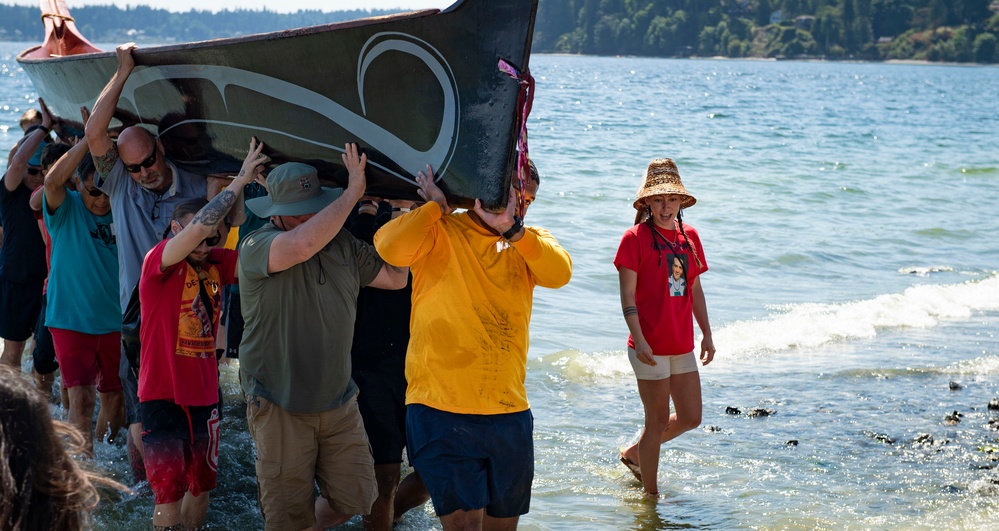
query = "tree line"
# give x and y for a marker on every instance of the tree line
(933, 30)
(145, 24)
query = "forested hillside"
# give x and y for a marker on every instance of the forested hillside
(145, 24)
(933, 30)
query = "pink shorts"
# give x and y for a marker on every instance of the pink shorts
(88, 359)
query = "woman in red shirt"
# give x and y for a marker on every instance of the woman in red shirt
(660, 250)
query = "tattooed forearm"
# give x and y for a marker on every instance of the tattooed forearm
(213, 212)
(630, 310)
(104, 163)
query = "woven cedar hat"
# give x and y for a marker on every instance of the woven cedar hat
(662, 178)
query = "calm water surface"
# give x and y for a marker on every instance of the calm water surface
(847, 213)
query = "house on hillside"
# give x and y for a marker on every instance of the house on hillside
(776, 17)
(804, 22)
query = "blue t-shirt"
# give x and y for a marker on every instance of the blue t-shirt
(142, 216)
(83, 282)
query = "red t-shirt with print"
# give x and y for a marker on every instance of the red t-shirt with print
(665, 305)
(178, 338)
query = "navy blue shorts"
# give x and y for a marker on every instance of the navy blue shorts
(233, 325)
(19, 307)
(471, 462)
(130, 386)
(382, 401)
(43, 354)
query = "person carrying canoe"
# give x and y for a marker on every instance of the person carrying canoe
(469, 427)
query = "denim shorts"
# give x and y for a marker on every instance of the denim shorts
(471, 462)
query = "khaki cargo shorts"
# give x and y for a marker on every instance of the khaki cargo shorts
(295, 451)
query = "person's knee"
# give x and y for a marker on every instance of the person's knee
(388, 480)
(688, 421)
(82, 398)
(658, 419)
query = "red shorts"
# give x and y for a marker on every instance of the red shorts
(88, 359)
(181, 448)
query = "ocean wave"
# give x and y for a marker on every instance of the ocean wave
(811, 325)
(814, 324)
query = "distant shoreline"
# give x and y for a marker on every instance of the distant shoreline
(915, 62)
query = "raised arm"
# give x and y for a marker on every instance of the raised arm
(301, 243)
(60, 172)
(402, 241)
(391, 277)
(100, 119)
(207, 219)
(25, 150)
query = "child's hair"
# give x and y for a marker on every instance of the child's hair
(52, 152)
(189, 207)
(645, 215)
(85, 168)
(29, 118)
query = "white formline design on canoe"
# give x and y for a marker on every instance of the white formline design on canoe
(407, 157)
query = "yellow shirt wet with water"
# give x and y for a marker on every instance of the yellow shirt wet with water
(472, 298)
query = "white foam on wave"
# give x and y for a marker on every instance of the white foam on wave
(580, 366)
(810, 325)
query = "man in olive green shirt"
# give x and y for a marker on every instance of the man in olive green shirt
(300, 276)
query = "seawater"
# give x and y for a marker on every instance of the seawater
(848, 217)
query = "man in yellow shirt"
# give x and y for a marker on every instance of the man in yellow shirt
(468, 422)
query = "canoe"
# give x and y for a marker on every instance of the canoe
(447, 88)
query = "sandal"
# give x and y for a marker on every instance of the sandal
(632, 467)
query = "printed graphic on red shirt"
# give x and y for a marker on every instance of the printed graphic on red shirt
(195, 335)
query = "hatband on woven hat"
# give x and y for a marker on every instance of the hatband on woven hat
(663, 178)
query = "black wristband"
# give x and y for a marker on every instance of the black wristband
(518, 223)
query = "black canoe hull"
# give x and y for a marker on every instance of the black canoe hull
(414, 89)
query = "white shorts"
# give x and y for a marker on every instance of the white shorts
(665, 365)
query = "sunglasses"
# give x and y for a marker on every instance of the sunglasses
(94, 192)
(34, 171)
(211, 241)
(136, 168)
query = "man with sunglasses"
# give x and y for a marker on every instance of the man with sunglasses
(180, 293)
(84, 318)
(144, 188)
(22, 256)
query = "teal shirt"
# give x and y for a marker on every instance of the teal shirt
(83, 281)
